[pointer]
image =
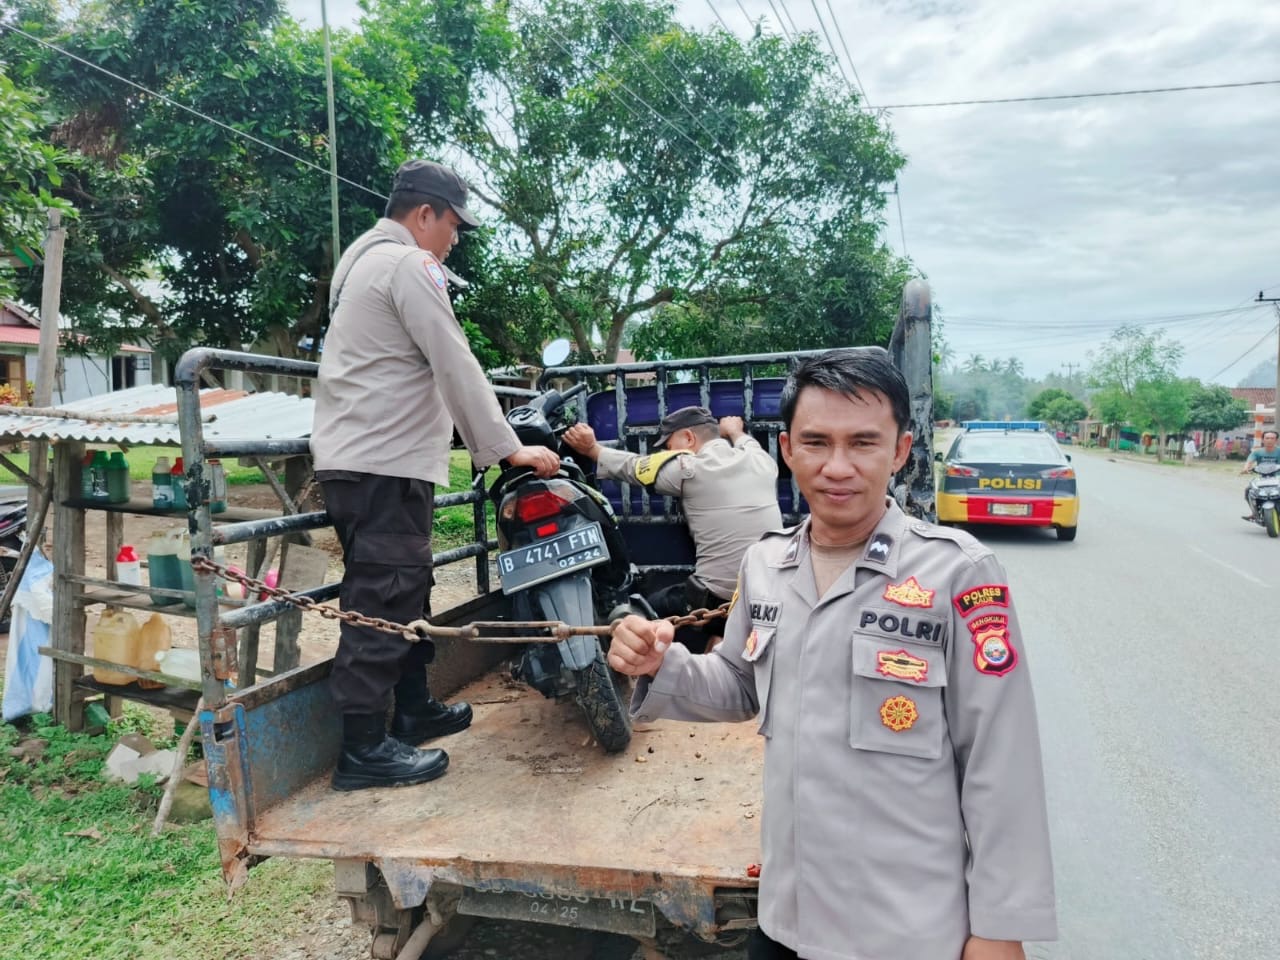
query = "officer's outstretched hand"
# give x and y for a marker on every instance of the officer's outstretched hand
(544, 462)
(583, 439)
(639, 645)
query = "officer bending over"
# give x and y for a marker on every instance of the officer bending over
(727, 485)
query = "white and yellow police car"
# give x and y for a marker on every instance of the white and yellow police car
(1008, 472)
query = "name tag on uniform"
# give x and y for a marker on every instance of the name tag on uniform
(765, 615)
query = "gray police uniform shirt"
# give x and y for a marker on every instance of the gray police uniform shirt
(904, 801)
(397, 372)
(728, 493)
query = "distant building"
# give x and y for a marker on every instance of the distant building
(1260, 403)
(78, 376)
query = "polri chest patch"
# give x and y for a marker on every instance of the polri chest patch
(905, 625)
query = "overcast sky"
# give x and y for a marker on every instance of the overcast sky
(1042, 226)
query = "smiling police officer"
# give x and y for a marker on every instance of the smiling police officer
(904, 810)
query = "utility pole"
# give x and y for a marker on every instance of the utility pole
(1275, 303)
(47, 358)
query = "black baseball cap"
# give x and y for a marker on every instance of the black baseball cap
(683, 419)
(435, 180)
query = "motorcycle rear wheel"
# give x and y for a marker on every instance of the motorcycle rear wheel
(1271, 520)
(602, 703)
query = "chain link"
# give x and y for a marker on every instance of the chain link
(422, 629)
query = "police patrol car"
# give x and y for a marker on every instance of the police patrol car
(1008, 472)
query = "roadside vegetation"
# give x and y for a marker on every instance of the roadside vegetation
(81, 875)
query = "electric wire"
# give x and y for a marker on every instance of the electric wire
(746, 16)
(823, 24)
(191, 110)
(781, 23)
(718, 17)
(847, 56)
(1078, 96)
(782, 4)
(1260, 342)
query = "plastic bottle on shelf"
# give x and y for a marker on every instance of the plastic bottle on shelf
(154, 641)
(161, 485)
(178, 479)
(128, 566)
(217, 487)
(86, 476)
(98, 469)
(117, 478)
(162, 565)
(115, 638)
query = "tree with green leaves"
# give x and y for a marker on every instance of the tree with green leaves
(1040, 402)
(728, 191)
(1063, 413)
(1213, 409)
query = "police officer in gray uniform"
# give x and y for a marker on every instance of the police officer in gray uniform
(727, 485)
(396, 375)
(904, 810)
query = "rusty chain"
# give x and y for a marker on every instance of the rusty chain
(423, 629)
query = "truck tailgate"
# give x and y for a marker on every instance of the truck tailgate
(531, 805)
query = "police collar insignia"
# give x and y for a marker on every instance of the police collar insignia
(793, 549)
(902, 666)
(878, 548)
(993, 653)
(909, 593)
(435, 273)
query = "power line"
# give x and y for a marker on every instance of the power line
(823, 24)
(191, 110)
(781, 23)
(1266, 336)
(785, 9)
(1079, 96)
(840, 34)
(718, 17)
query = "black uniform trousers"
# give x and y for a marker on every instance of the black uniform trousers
(384, 526)
(760, 947)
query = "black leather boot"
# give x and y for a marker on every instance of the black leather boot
(369, 758)
(413, 724)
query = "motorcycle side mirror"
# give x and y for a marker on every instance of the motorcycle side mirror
(556, 352)
(1068, 456)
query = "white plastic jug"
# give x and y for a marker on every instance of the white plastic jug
(115, 638)
(177, 662)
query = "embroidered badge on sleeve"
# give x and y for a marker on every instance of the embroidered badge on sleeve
(993, 650)
(435, 273)
(975, 598)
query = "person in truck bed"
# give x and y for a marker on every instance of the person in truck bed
(727, 485)
(904, 807)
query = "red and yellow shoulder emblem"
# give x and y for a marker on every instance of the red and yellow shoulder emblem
(435, 272)
(993, 651)
(909, 593)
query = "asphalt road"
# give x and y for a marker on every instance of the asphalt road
(1154, 643)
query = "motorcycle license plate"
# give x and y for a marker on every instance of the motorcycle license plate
(548, 559)
(1011, 509)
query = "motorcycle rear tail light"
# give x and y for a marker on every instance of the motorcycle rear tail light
(546, 502)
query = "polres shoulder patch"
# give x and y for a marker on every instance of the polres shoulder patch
(435, 273)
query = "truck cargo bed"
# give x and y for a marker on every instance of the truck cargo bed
(530, 802)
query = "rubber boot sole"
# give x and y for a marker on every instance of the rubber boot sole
(362, 781)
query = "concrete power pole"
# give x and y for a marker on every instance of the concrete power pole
(1275, 303)
(47, 358)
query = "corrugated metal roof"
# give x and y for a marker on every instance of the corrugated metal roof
(238, 416)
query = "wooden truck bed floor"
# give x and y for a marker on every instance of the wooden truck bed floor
(528, 794)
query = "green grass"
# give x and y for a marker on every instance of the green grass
(81, 876)
(455, 526)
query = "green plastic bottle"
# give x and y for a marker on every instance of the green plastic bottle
(99, 472)
(117, 478)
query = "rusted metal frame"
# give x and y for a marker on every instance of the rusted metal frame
(480, 532)
(280, 685)
(268, 610)
(228, 533)
(620, 416)
(223, 733)
(255, 557)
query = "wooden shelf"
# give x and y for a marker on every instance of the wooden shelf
(172, 698)
(135, 601)
(146, 508)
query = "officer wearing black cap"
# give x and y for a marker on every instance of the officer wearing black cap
(727, 486)
(396, 377)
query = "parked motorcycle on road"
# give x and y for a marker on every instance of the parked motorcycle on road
(1264, 497)
(562, 557)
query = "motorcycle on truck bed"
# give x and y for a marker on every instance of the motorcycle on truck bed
(533, 822)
